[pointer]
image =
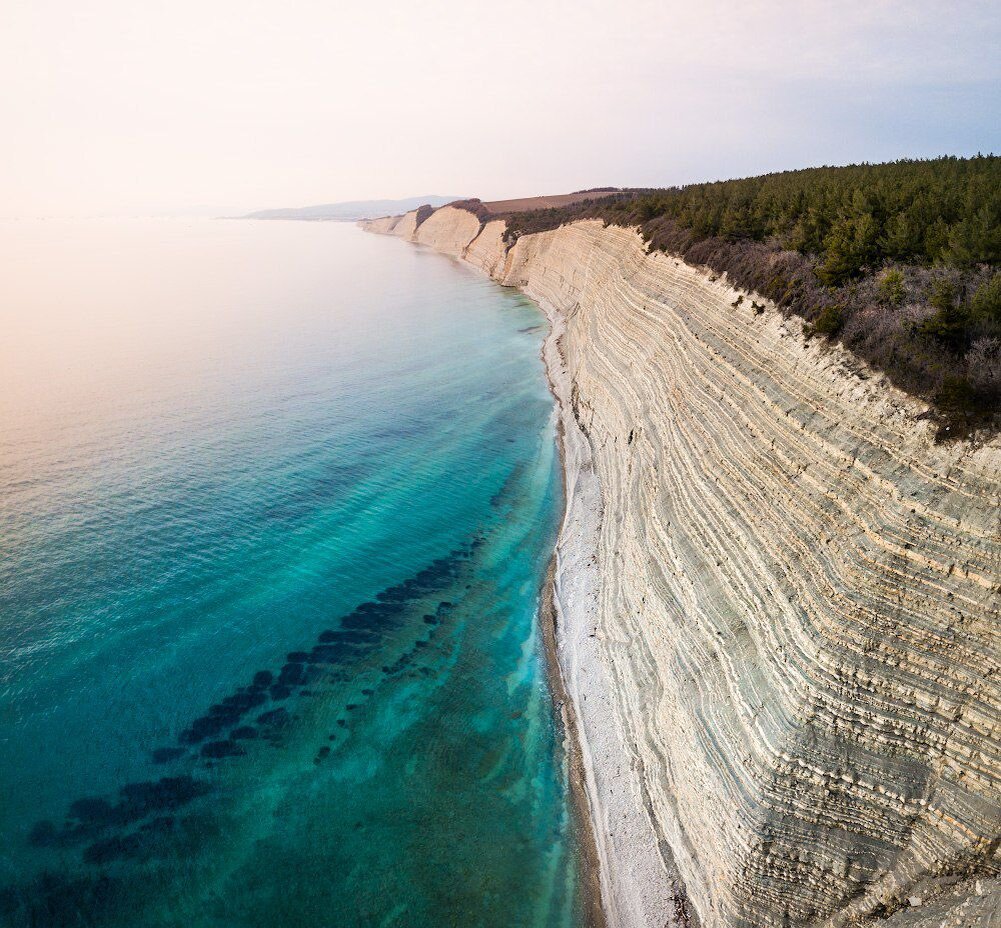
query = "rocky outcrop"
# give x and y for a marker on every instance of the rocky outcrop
(778, 602)
(488, 250)
(385, 225)
(406, 226)
(448, 230)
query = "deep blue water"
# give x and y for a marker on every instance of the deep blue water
(276, 501)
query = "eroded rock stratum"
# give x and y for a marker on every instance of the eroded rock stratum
(787, 671)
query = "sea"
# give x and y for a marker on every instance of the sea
(276, 505)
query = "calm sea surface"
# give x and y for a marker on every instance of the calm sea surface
(276, 500)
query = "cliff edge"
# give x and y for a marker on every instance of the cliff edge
(778, 601)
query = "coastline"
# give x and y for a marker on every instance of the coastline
(595, 915)
(553, 609)
(593, 906)
(701, 636)
(643, 887)
(630, 878)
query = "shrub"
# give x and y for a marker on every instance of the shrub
(949, 325)
(943, 295)
(986, 303)
(830, 321)
(891, 288)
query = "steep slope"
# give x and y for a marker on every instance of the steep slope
(778, 600)
(448, 230)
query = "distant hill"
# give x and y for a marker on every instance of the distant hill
(351, 210)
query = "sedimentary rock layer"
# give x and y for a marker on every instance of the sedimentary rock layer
(779, 601)
(448, 230)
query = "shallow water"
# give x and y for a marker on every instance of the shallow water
(276, 500)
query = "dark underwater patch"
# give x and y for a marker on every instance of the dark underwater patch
(327, 654)
(58, 901)
(148, 840)
(163, 795)
(90, 816)
(360, 631)
(135, 824)
(219, 749)
(291, 675)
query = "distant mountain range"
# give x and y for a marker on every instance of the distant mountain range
(352, 209)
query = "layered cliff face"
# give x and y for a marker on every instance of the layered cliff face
(448, 230)
(779, 602)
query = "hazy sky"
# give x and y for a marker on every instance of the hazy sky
(149, 106)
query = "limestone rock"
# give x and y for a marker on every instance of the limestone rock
(778, 602)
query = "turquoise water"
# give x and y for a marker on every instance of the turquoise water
(276, 501)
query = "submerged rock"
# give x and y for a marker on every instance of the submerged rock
(218, 749)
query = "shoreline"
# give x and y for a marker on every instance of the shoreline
(590, 872)
(642, 888)
(595, 915)
(608, 800)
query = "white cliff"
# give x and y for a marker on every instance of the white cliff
(778, 602)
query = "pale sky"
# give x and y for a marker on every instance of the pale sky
(175, 106)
